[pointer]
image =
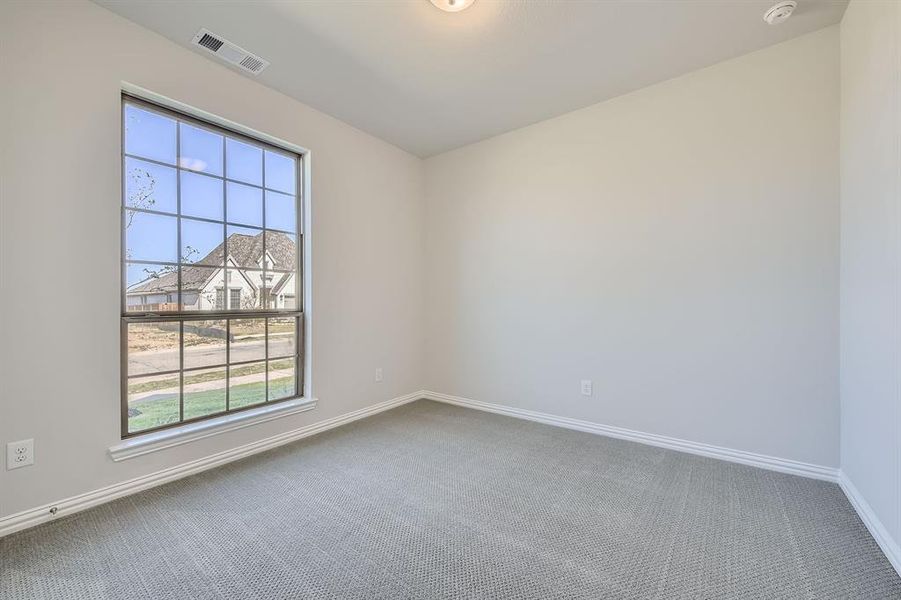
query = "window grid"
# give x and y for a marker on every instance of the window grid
(181, 263)
(265, 309)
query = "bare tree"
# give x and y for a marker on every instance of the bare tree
(249, 300)
(142, 193)
(141, 196)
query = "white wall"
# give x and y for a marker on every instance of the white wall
(59, 370)
(871, 258)
(677, 245)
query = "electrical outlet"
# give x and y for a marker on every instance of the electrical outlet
(586, 387)
(19, 454)
(379, 375)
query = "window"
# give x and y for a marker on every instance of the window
(208, 215)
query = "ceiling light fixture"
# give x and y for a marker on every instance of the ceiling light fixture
(452, 5)
(780, 12)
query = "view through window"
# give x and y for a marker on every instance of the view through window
(211, 303)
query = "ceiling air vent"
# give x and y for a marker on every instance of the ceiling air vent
(230, 53)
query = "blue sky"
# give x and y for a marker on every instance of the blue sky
(204, 157)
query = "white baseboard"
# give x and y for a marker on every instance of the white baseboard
(42, 514)
(737, 456)
(889, 546)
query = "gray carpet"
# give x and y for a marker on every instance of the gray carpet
(434, 501)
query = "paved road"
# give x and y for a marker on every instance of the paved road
(153, 361)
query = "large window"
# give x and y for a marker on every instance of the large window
(212, 317)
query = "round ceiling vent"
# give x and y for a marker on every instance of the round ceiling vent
(780, 12)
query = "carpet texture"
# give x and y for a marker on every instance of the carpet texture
(434, 501)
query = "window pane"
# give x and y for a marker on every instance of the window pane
(248, 339)
(153, 347)
(245, 204)
(244, 291)
(150, 186)
(281, 249)
(202, 287)
(281, 211)
(149, 134)
(243, 162)
(150, 237)
(204, 392)
(201, 196)
(152, 401)
(245, 246)
(247, 385)
(281, 379)
(204, 344)
(281, 291)
(201, 150)
(280, 173)
(151, 287)
(282, 337)
(245, 249)
(201, 242)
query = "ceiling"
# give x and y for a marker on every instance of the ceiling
(429, 81)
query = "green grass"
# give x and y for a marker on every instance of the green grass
(164, 410)
(202, 376)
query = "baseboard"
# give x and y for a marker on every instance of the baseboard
(737, 456)
(68, 506)
(889, 546)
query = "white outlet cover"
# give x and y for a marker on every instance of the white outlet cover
(586, 387)
(379, 375)
(19, 454)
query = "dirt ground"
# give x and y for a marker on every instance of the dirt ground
(147, 336)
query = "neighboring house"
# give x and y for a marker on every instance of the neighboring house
(240, 285)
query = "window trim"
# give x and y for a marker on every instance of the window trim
(134, 95)
(161, 439)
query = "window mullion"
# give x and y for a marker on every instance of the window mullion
(228, 349)
(181, 371)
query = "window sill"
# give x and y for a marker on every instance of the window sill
(176, 436)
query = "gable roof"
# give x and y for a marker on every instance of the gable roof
(245, 251)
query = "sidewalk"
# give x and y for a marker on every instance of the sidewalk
(214, 384)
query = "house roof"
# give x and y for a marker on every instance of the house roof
(245, 251)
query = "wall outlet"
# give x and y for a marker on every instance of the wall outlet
(586, 387)
(19, 454)
(379, 375)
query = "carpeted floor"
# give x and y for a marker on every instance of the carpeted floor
(433, 501)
